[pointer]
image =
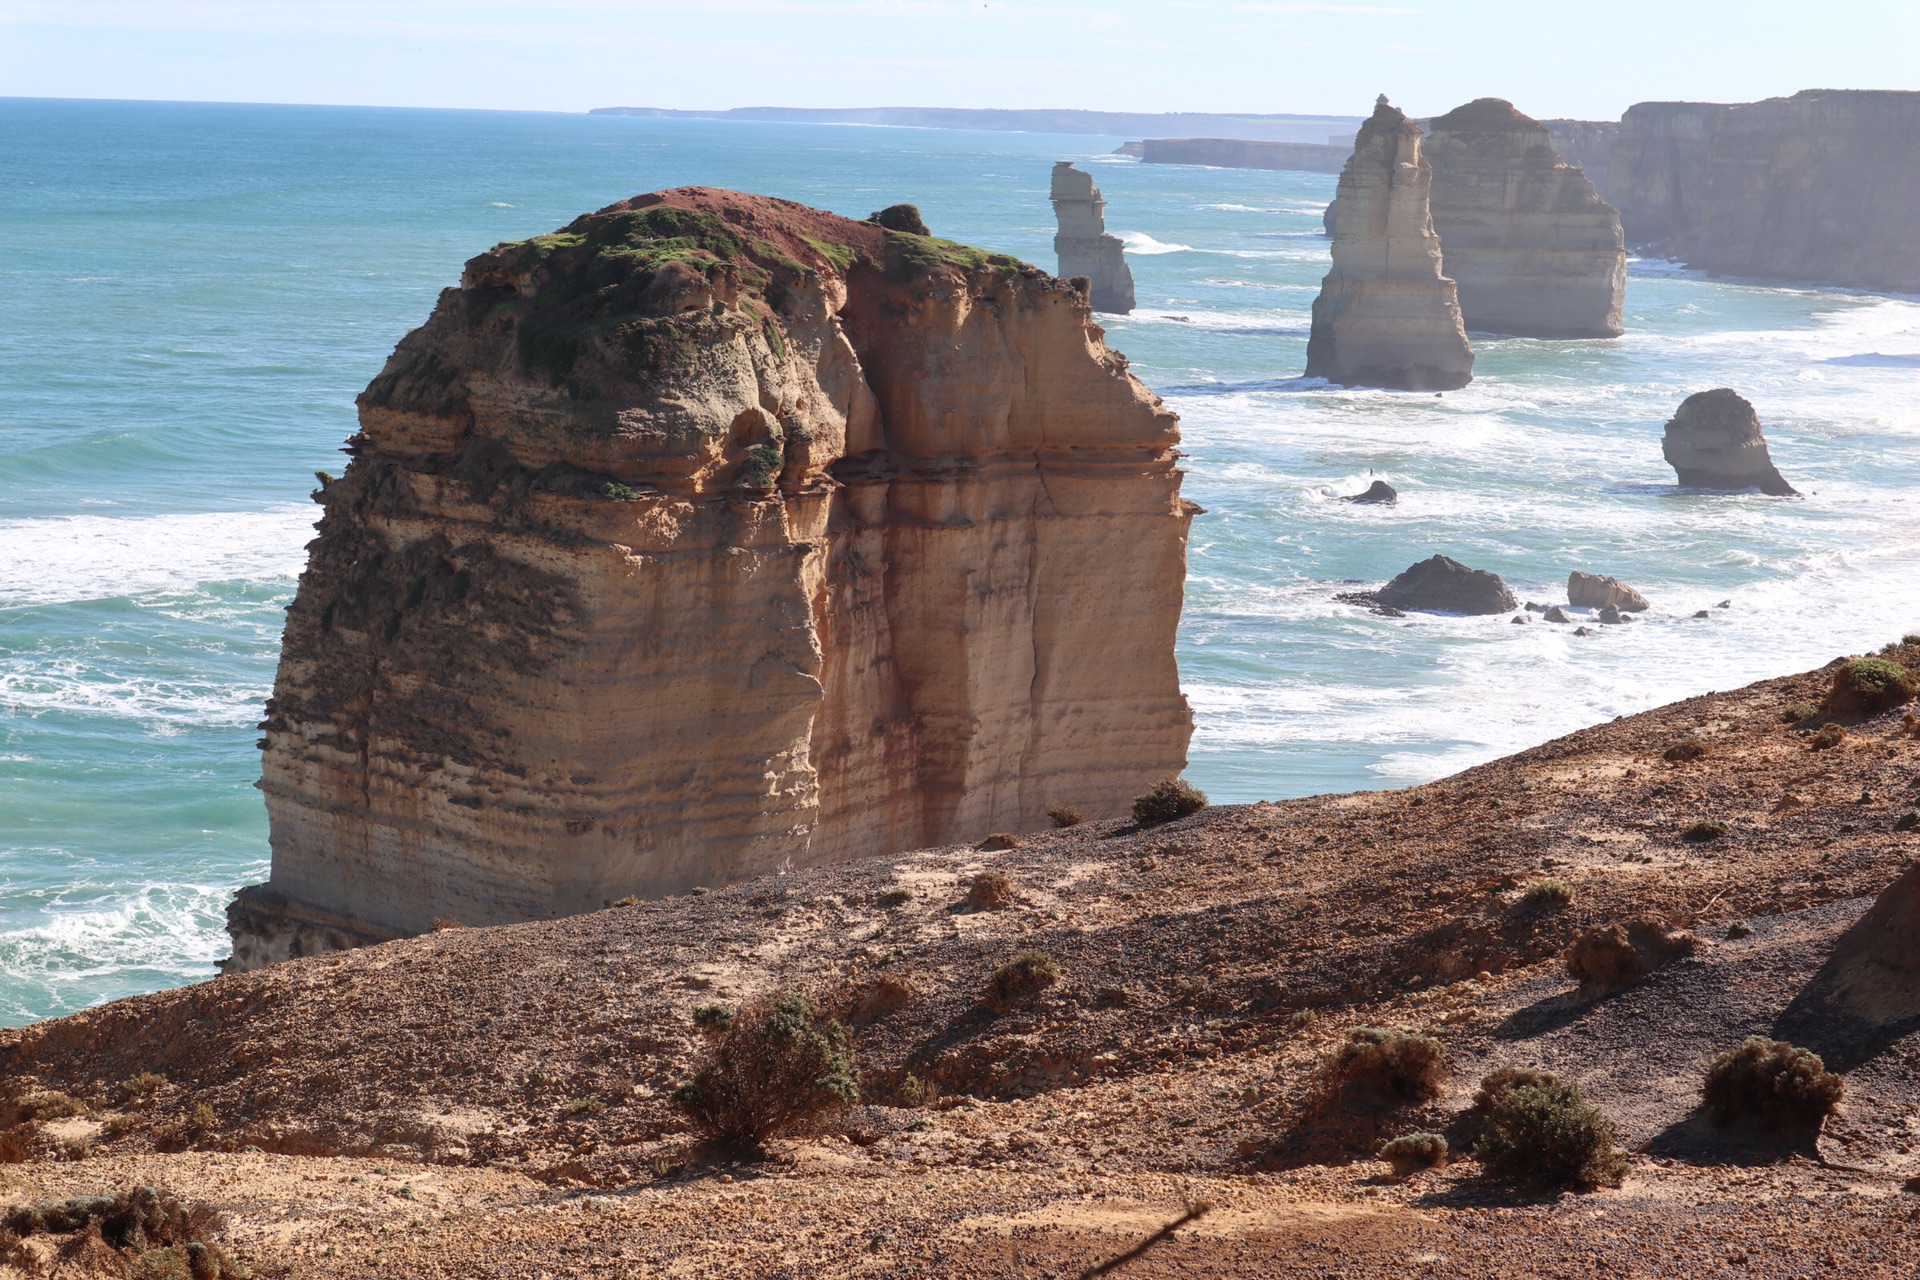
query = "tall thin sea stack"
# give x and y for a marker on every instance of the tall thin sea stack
(1083, 244)
(710, 535)
(1386, 316)
(1534, 249)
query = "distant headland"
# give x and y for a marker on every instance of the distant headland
(1132, 124)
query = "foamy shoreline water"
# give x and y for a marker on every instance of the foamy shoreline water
(204, 290)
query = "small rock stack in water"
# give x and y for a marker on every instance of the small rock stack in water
(1082, 242)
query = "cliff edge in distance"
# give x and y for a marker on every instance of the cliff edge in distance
(707, 536)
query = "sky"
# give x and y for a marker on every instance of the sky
(1551, 58)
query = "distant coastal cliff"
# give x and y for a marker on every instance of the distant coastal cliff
(1822, 187)
(1278, 127)
(709, 535)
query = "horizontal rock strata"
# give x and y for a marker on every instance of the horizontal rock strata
(1082, 243)
(1386, 316)
(1239, 153)
(707, 536)
(1533, 248)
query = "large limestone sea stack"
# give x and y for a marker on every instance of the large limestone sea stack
(1083, 244)
(1715, 442)
(707, 536)
(1386, 316)
(1534, 249)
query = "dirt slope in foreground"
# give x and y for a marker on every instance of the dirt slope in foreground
(493, 1101)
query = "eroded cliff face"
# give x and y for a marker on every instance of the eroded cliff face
(709, 535)
(1386, 316)
(1533, 248)
(1083, 244)
(1822, 187)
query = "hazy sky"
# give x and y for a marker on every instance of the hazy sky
(1552, 58)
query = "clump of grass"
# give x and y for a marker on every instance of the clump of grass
(1065, 815)
(1829, 737)
(192, 1130)
(1868, 686)
(1795, 713)
(1546, 895)
(165, 1238)
(1682, 752)
(1382, 1070)
(1704, 830)
(1166, 800)
(1542, 1133)
(48, 1104)
(1780, 1086)
(1020, 979)
(989, 891)
(915, 1092)
(771, 1070)
(581, 1108)
(1611, 956)
(1411, 1153)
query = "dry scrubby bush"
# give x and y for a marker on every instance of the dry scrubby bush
(1546, 895)
(1020, 979)
(770, 1070)
(1704, 830)
(1413, 1152)
(1868, 686)
(1681, 752)
(1610, 956)
(168, 1240)
(1830, 736)
(195, 1129)
(1382, 1070)
(989, 891)
(1169, 798)
(1772, 1082)
(1539, 1132)
(1065, 815)
(1795, 713)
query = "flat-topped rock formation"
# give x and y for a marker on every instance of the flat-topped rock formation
(1386, 316)
(1714, 441)
(1822, 187)
(1242, 153)
(706, 536)
(1534, 249)
(1082, 241)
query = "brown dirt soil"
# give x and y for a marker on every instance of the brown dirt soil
(493, 1102)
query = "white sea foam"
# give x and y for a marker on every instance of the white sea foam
(94, 557)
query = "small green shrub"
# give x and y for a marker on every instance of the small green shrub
(1498, 1082)
(47, 1104)
(989, 891)
(774, 1070)
(761, 467)
(1546, 895)
(1382, 1070)
(1413, 1152)
(1704, 830)
(1020, 979)
(159, 1237)
(1829, 737)
(1772, 1082)
(136, 1088)
(620, 492)
(1546, 1135)
(900, 217)
(1168, 799)
(1795, 713)
(1065, 815)
(712, 1018)
(1868, 686)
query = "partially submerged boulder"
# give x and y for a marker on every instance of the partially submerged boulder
(1591, 591)
(1379, 492)
(1715, 442)
(1441, 584)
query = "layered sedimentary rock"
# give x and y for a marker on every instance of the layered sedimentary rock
(708, 536)
(1386, 316)
(1082, 241)
(1534, 249)
(1715, 442)
(1588, 145)
(1822, 187)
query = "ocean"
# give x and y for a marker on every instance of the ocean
(193, 295)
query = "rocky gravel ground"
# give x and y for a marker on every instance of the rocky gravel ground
(493, 1102)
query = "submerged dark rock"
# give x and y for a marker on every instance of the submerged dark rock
(1379, 492)
(1444, 585)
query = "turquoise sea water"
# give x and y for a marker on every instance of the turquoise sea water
(192, 296)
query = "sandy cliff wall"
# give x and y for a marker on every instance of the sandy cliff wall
(1534, 249)
(709, 535)
(1386, 316)
(1822, 187)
